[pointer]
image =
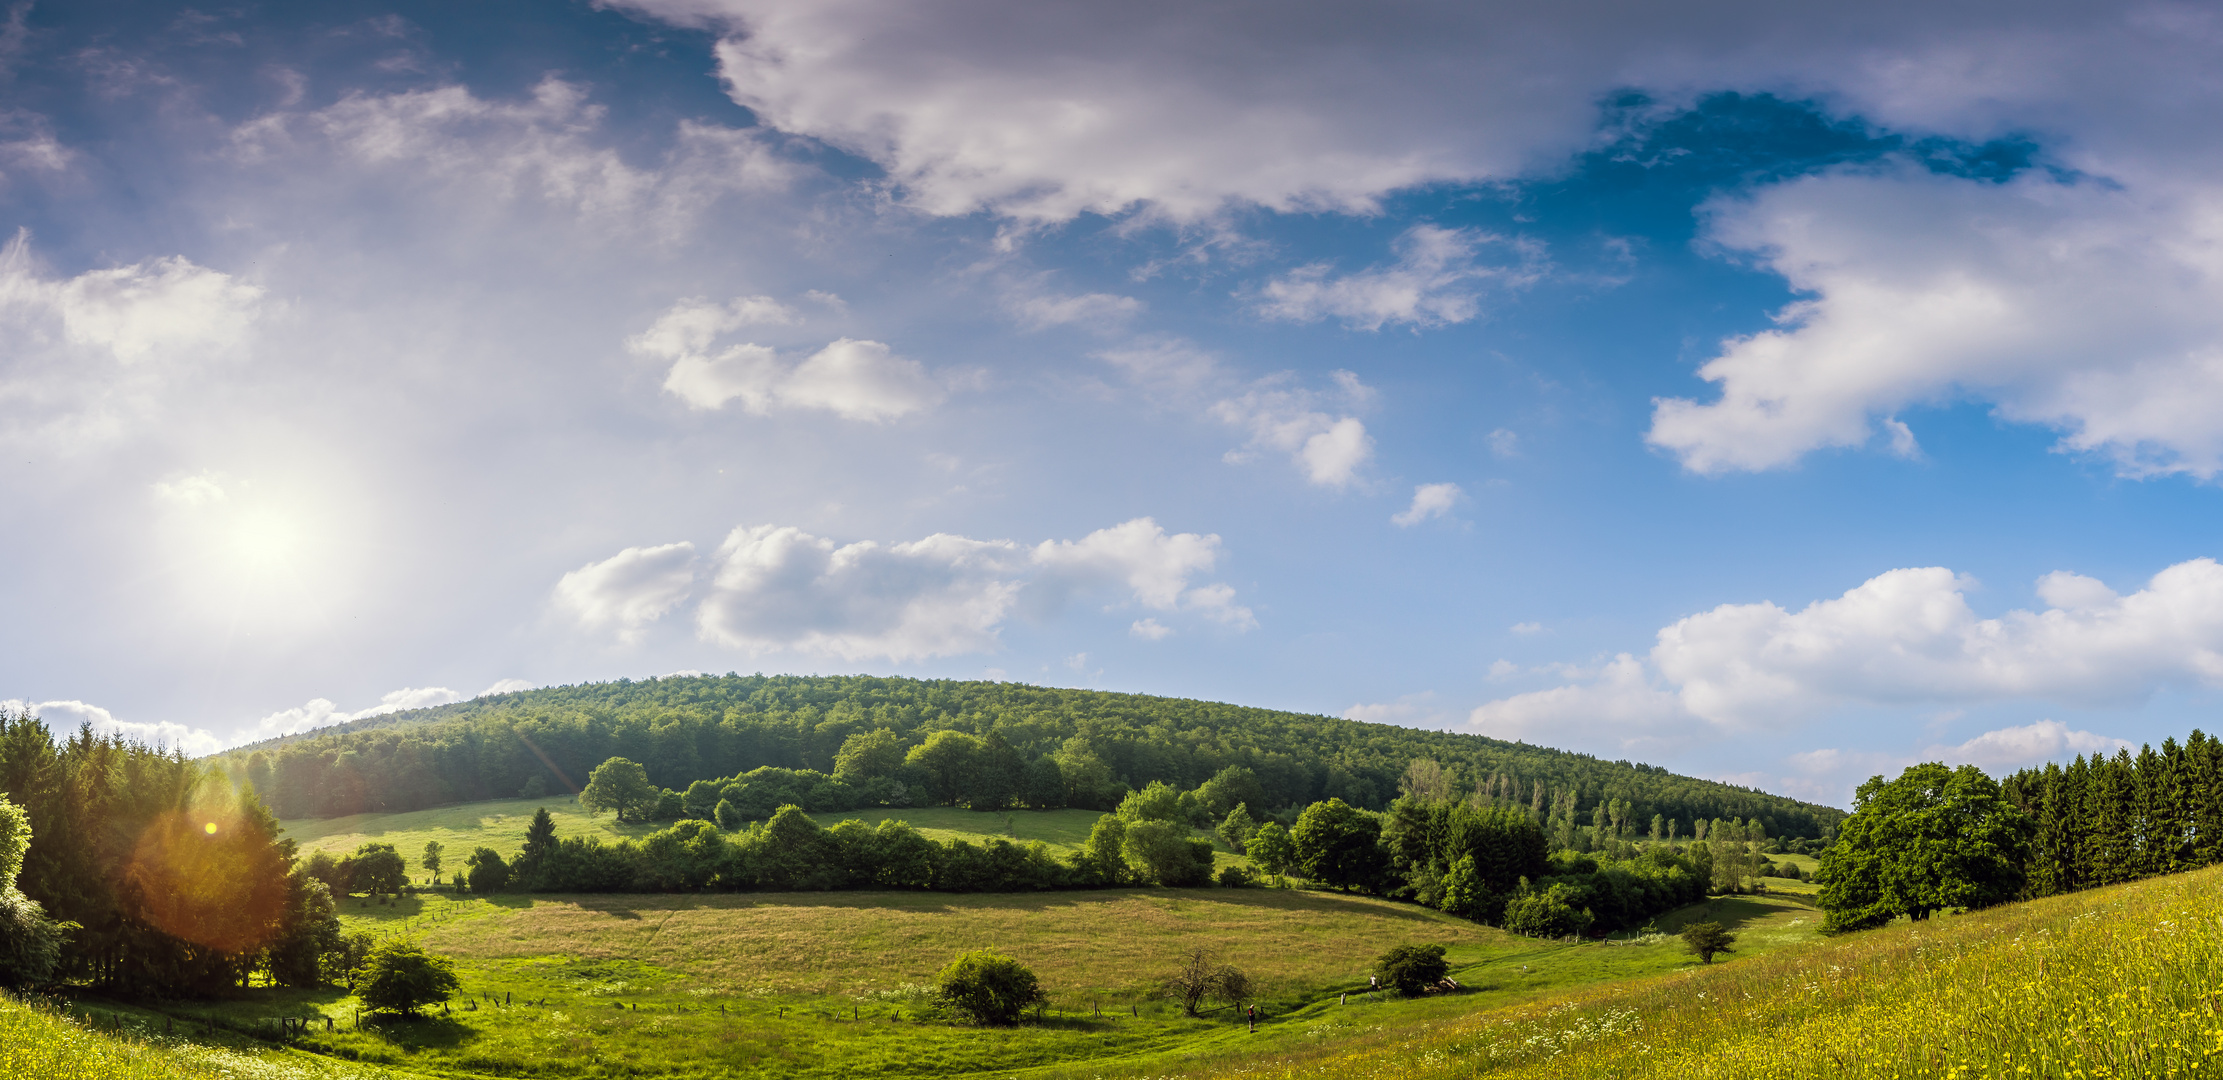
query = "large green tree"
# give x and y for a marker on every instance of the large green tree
(1339, 845)
(622, 785)
(1935, 839)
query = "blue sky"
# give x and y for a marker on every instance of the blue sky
(1772, 394)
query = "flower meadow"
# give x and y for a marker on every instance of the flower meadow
(2118, 982)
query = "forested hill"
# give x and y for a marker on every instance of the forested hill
(685, 729)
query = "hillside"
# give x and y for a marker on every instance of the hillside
(685, 729)
(2115, 982)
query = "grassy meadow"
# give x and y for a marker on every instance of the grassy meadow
(2125, 981)
(827, 984)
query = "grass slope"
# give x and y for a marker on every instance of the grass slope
(120, 1043)
(2118, 982)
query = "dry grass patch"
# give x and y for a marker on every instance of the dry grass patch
(1107, 942)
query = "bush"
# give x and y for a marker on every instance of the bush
(989, 988)
(1704, 939)
(400, 977)
(488, 873)
(1412, 969)
(1236, 877)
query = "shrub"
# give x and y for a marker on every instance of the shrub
(400, 977)
(1412, 969)
(488, 873)
(1236, 877)
(1704, 939)
(988, 987)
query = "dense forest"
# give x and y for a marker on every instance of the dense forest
(130, 868)
(689, 729)
(2102, 820)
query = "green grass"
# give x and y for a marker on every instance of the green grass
(108, 1041)
(823, 984)
(2119, 982)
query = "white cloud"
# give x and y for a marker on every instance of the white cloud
(91, 354)
(1905, 638)
(1330, 449)
(630, 589)
(541, 146)
(1616, 706)
(1504, 444)
(65, 716)
(1909, 636)
(321, 712)
(506, 686)
(2083, 307)
(1429, 501)
(195, 489)
(860, 380)
(1526, 628)
(1035, 309)
(777, 588)
(1154, 567)
(1435, 281)
(853, 379)
(1150, 630)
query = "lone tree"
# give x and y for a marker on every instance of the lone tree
(400, 977)
(375, 869)
(431, 858)
(1934, 839)
(989, 987)
(1704, 939)
(621, 785)
(1412, 969)
(1200, 978)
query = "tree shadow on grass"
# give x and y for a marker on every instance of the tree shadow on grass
(422, 1032)
(1732, 912)
(633, 905)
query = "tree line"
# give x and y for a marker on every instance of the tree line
(990, 745)
(125, 866)
(1944, 839)
(1491, 862)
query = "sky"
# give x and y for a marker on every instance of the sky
(1780, 393)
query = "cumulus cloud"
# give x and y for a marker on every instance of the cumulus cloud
(90, 354)
(629, 590)
(1412, 710)
(1903, 638)
(1429, 501)
(2081, 306)
(1435, 280)
(853, 379)
(2088, 304)
(1292, 420)
(322, 712)
(1150, 630)
(506, 686)
(776, 588)
(1831, 774)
